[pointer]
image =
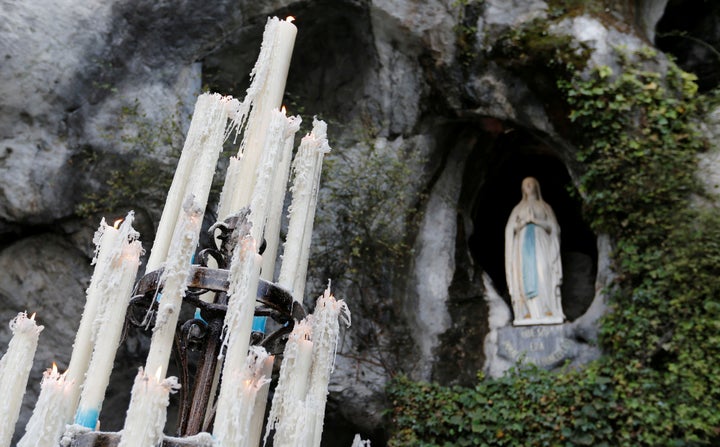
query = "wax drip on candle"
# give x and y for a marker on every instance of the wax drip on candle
(147, 411)
(254, 113)
(194, 171)
(287, 413)
(129, 249)
(46, 425)
(150, 398)
(232, 423)
(307, 168)
(277, 199)
(15, 368)
(116, 289)
(258, 75)
(269, 160)
(245, 262)
(328, 315)
(244, 277)
(175, 277)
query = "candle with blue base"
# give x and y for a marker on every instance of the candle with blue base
(116, 286)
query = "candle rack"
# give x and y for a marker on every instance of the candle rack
(203, 332)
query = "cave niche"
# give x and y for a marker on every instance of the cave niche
(514, 155)
(690, 31)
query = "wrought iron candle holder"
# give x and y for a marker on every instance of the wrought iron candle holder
(203, 332)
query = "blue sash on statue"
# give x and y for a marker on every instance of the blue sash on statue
(529, 267)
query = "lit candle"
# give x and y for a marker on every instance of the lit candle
(256, 424)
(326, 332)
(47, 424)
(242, 293)
(147, 411)
(265, 94)
(150, 397)
(14, 372)
(287, 413)
(116, 287)
(195, 169)
(307, 168)
(277, 200)
(234, 416)
(107, 240)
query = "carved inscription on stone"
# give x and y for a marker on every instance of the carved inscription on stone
(544, 346)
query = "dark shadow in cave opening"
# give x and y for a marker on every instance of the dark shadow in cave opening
(690, 31)
(514, 156)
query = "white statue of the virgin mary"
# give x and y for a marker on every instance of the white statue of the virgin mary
(532, 259)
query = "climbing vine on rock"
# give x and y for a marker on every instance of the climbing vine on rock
(658, 383)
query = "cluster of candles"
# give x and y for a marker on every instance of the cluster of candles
(256, 179)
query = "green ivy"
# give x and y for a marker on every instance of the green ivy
(659, 380)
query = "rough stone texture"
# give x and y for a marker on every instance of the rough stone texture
(435, 261)
(88, 87)
(46, 275)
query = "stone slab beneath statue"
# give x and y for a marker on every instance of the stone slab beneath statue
(545, 346)
(107, 439)
(538, 321)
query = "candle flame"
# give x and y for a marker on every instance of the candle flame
(283, 110)
(32, 317)
(54, 369)
(117, 223)
(290, 19)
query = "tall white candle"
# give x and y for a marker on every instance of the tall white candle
(116, 265)
(256, 424)
(14, 372)
(117, 288)
(150, 397)
(195, 169)
(264, 95)
(47, 423)
(242, 293)
(287, 414)
(146, 414)
(277, 200)
(269, 160)
(326, 332)
(175, 277)
(307, 169)
(234, 417)
(106, 240)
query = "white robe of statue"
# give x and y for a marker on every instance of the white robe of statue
(532, 259)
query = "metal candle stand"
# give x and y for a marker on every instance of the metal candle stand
(204, 334)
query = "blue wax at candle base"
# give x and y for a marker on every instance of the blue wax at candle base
(87, 417)
(259, 324)
(198, 316)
